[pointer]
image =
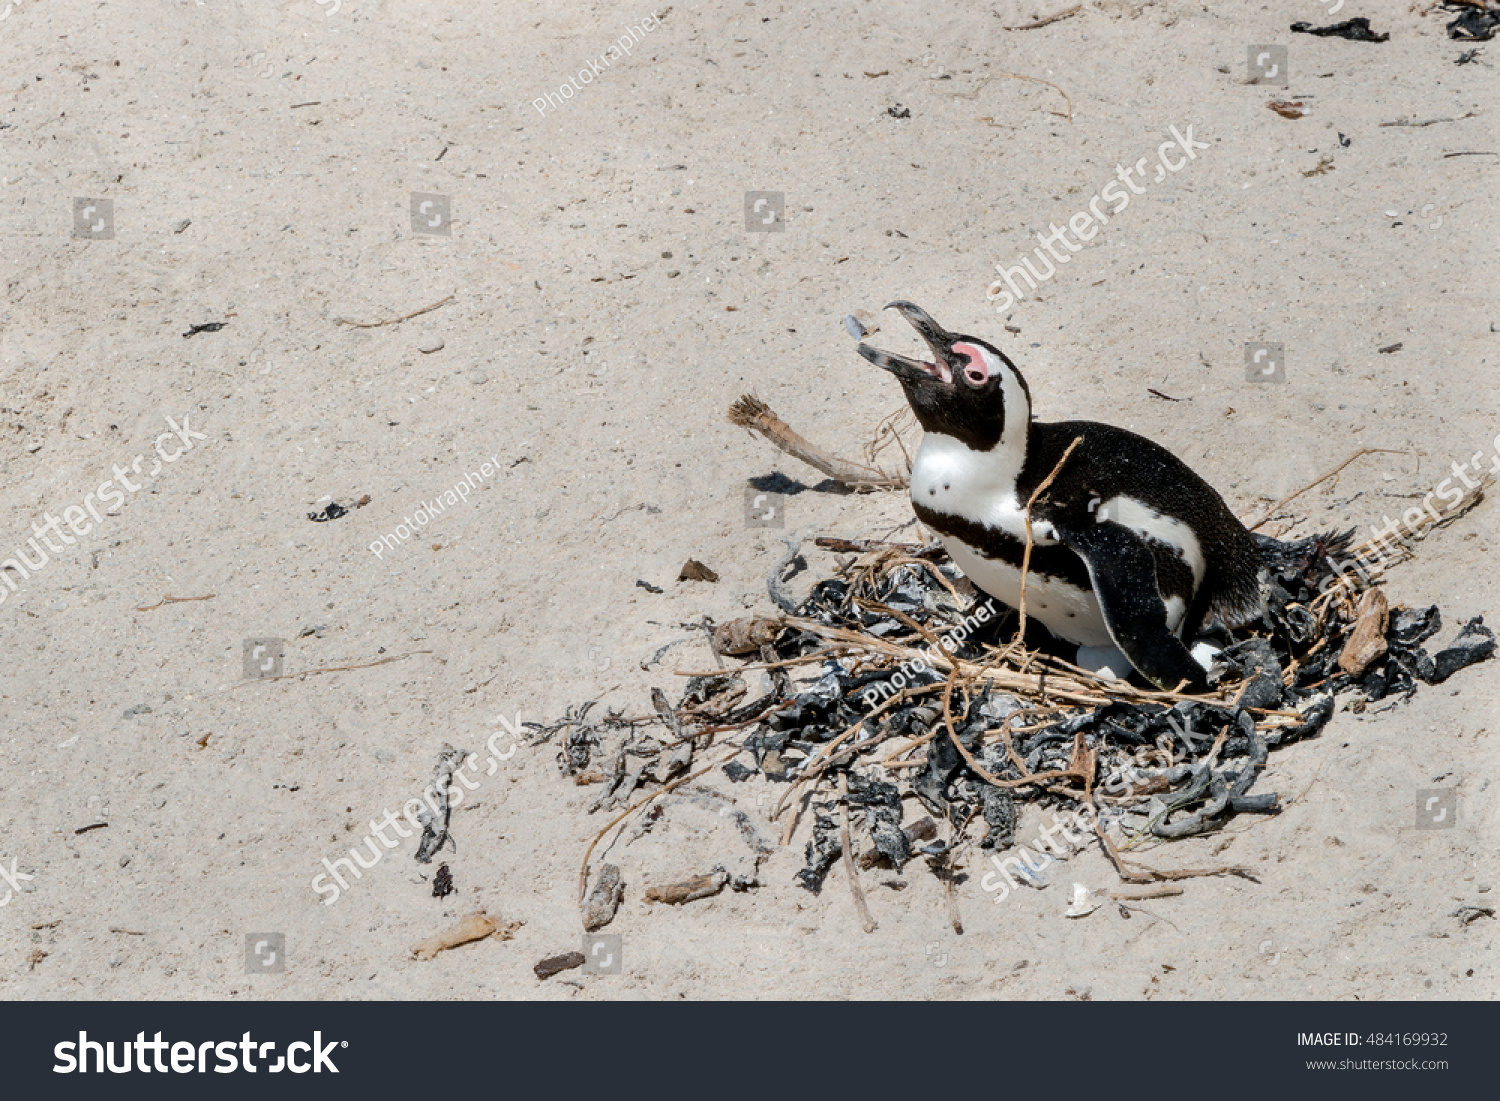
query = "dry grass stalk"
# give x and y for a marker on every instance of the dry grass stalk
(859, 894)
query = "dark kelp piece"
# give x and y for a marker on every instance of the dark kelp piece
(823, 852)
(1474, 643)
(999, 810)
(1410, 627)
(737, 772)
(1355, 30)
(881, 803)
(1475, 25)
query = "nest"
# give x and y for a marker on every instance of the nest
(894, 679)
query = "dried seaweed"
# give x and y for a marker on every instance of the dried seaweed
(823, 852)
(895, 677)
(434, 818)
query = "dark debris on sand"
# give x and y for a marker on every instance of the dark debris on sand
(885, 663)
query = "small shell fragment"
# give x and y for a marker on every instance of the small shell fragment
(856, 329)
(1083, 903)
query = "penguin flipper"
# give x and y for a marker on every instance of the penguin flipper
(1123, 573)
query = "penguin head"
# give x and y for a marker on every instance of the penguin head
(969, 390)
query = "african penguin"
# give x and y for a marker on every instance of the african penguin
(1131, 551)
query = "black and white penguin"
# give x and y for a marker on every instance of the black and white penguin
(1131, 551)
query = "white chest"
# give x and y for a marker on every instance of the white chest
(979, 486)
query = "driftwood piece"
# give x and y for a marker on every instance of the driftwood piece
(604, 899)
(476, 926)
(1367, 640)
(752, 413)
(689, 890)
(554, 965)
(1166, 890)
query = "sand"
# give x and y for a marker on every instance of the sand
(607, 304)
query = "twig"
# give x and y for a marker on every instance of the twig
(1270, 512)
(889, 431)
(813, 658)
(1163, 891)
(394, 320)
(859, 895)
(174, 600)
(1470, 153)
(1385, 555)
(1080, 767)
(584, 871)
(1152, 875)
(1074, 10)
(752, 413)
(1126, 911)
(1429, 122)
(972, 93)
(955, 919)
(1072, 688)
(329, 669)
(1048, 83)
(863, 546)
(1026, 554)
(732, 726)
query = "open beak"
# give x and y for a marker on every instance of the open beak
(937, 338)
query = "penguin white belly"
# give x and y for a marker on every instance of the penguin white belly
(980, 487)
(949, 477)
(1068, 612)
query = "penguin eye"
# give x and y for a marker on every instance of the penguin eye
(976, 375)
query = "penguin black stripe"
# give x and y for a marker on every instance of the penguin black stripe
(1055, 562)
(1131, 551)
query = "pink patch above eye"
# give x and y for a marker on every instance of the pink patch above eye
(976, 370)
